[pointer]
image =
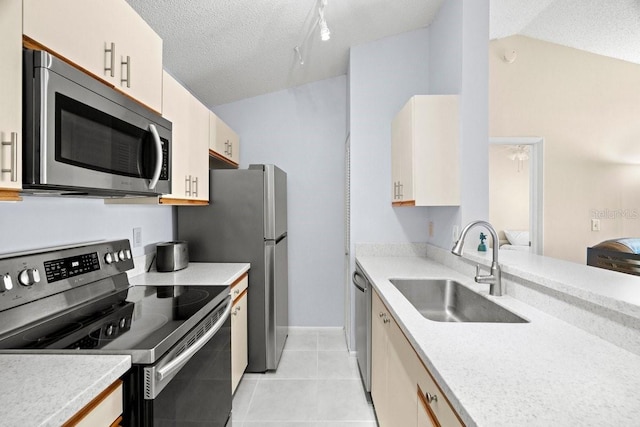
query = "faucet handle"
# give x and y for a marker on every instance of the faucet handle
(477, 270)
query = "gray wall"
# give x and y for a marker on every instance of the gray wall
(383, 76)
(303, 130)
(39, 222)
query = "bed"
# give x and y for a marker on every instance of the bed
(621, 255)
(515, 240)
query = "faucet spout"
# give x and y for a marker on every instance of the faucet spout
(494, 279)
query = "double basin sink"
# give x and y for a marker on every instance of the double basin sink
(445, 300)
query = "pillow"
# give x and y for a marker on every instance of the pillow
(517, 237)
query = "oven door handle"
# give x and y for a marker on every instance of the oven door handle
(158, 167)
(177, 363)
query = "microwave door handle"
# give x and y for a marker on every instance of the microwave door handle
(184, 357)
(158, 167)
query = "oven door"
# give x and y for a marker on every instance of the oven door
(191, 384)
(80, 135)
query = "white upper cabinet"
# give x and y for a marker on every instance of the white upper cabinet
(224, 144)
(424, 152)
(10, 99)
(106, 38)
(189, 143)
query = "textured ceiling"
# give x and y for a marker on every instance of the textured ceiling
(605, 27)
(225, 50)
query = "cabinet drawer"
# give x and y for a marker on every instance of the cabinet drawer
(238, 287)
(104, 410)
(438, 405)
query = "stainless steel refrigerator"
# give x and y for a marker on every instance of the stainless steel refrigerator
(246, 221)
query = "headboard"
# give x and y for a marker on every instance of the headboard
(621, 255)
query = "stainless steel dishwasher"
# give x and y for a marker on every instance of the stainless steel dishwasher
(363, 327)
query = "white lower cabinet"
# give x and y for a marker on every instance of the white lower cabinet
(103, 411)
(402, 390)
(239, 339)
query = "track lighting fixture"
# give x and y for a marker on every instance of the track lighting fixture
(325, 34)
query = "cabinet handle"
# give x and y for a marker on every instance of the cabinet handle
(401, 190)
(386, 320)
(236, 292)
(430, 397)
(381, 314)
(230, 149)
(235, 312)
(187, 185)
(109, 66)
(395, 190)
(126, 79)
(13, 143)
(195, 185)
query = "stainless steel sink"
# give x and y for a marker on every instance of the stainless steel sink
(445, 300)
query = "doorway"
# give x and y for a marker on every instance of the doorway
(515, 196)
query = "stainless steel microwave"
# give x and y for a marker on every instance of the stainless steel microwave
(82, 137)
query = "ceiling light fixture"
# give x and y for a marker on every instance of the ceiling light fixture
(325, 34)
(300, 59)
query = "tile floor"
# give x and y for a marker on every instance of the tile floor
(317, 384)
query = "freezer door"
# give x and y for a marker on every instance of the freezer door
(277, 300)
(275, 199)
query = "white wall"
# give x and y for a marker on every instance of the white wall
(39, 222)
(303, 130)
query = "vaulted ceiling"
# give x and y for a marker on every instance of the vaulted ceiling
(226, 50)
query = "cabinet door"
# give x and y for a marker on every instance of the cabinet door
(401, 383)
(432, 400)
(239, 342)
(401, 154)
(379, 342)
(11, 95)
(189, 142)
(98, 36)
(224, 142)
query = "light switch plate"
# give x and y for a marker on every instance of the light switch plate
(137, 237)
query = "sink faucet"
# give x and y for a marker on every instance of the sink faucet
(494, 279)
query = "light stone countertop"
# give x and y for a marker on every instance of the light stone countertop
(197, 273)
(546, 372)
(47, 390)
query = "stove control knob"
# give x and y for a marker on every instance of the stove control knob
(6, 284)
(109, 331)
(108, 258)
(29, 277)
(123, 323)
(127, 254)
(121, 256)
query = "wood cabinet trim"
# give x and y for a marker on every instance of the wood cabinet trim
(93, 404)
(176, 201)
(10, 196)
(223, 159)
(239, 279)
(427, 408)
(404, 203)
(239, 297)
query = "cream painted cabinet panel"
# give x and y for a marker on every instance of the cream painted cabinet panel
(224, 142)
(392, 383)
(239, 340)
(379, 344)
(107, 38)
(424, 146)
(11, 95)
(189, 142)
(401, 384)
(104, 411)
